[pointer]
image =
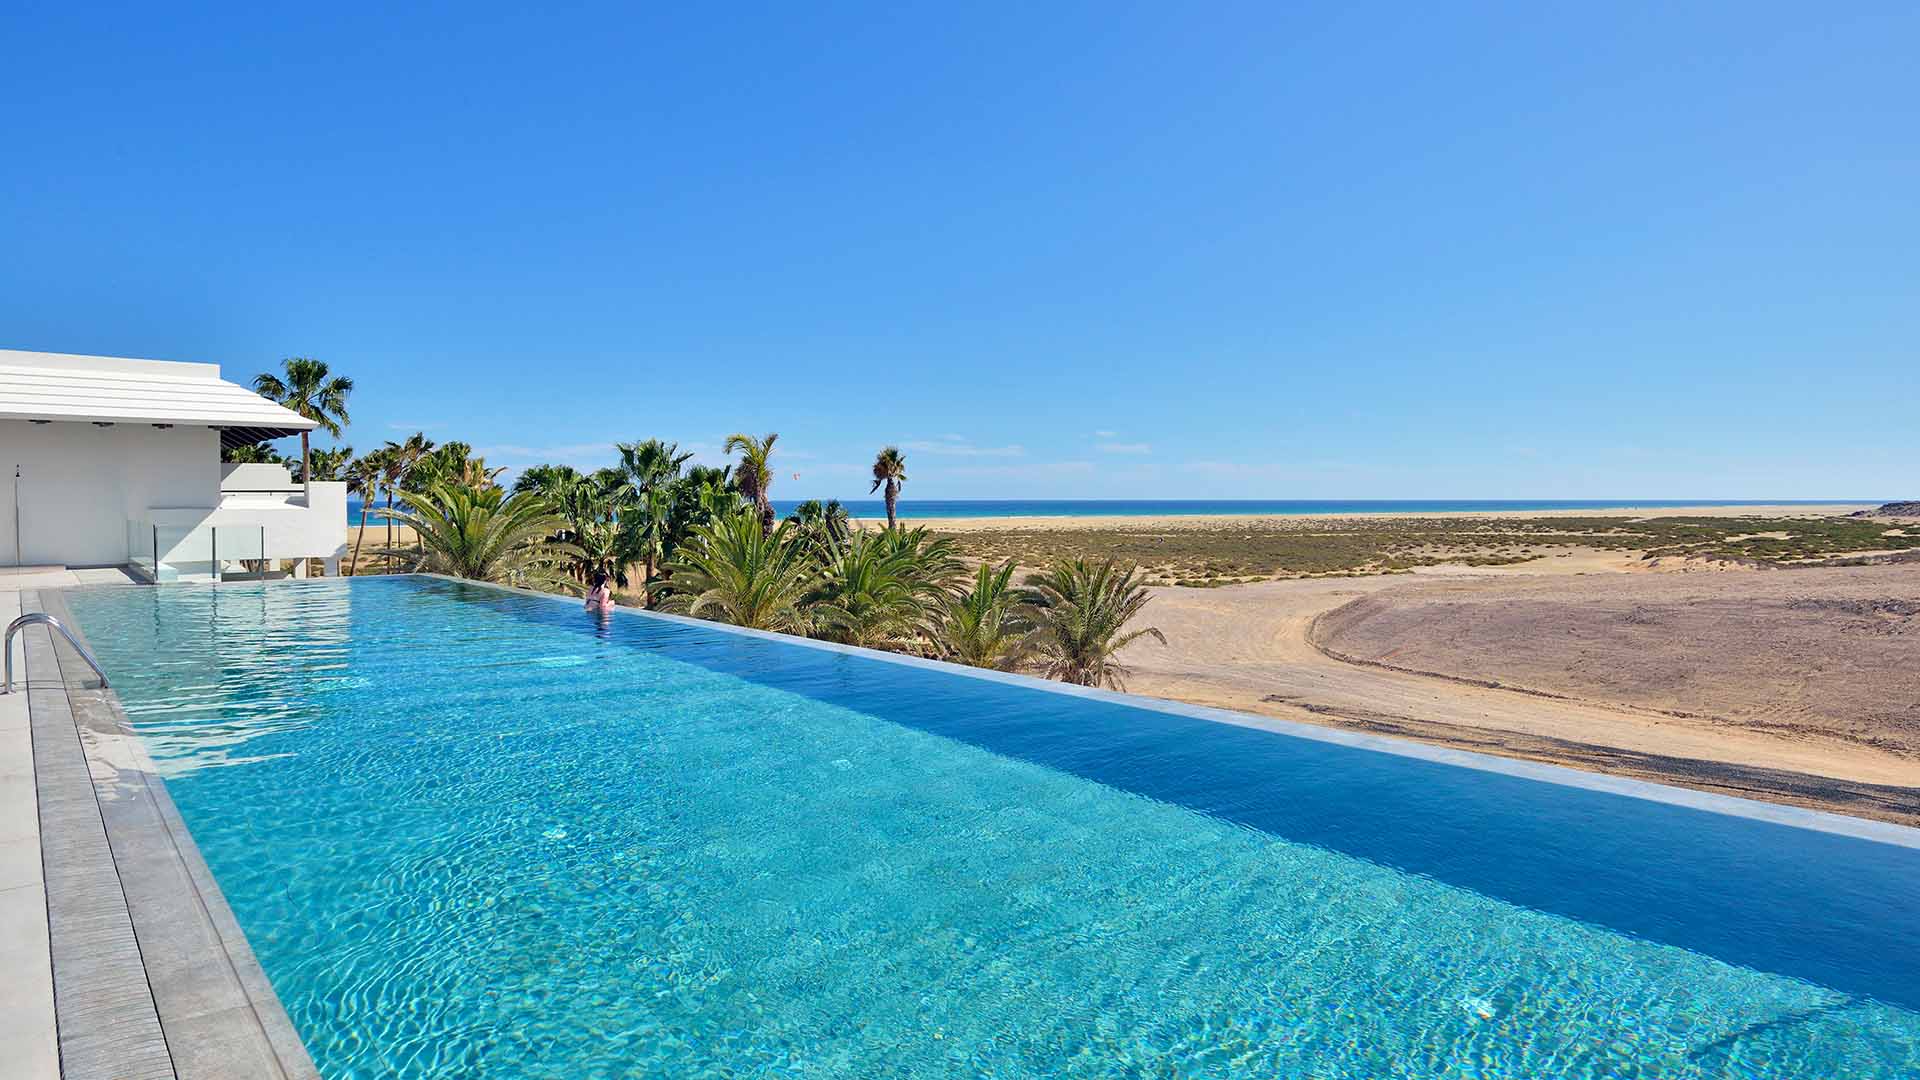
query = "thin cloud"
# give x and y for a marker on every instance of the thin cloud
(956, 446)
(416, 427)
(1105, 434)
(1025, 470)
(1125, 448)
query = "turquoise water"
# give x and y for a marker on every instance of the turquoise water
(476, 834)
(965, 508)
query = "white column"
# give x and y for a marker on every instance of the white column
(330, 567)
(300, 567)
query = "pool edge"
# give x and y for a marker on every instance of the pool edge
(191, 972)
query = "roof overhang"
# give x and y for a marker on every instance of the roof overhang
(112, 390)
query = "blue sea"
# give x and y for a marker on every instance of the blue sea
(473, 833)
(971, 508)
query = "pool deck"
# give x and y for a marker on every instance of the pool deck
(119, 958)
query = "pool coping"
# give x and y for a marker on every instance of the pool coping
(1799, 817)
(153, 977)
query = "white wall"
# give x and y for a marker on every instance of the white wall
(256, 476)
(79, 485)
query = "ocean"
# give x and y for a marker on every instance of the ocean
(919, 509)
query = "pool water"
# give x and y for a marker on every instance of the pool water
(477, 833)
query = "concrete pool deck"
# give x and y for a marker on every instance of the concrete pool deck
(121, 959)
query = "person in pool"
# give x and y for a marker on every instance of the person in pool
(600, 595)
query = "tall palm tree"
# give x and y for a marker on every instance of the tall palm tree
(486, 535)
(647, 525)
(889, 470)
(984, 625)
(730, 571)
(314, 392)
(410, 452)
(474, 473)
(363, 477)
(1080, 611)
(754, 474)
(393, 473)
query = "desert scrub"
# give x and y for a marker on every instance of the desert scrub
(1280, 547)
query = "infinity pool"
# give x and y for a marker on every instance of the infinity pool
(471, 833)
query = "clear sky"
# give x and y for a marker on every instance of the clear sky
(1052, 250)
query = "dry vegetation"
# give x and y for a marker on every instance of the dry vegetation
(1200, 554)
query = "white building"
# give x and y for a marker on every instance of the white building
(112, 462)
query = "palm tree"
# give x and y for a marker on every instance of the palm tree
(591, 509)
(474, 473)
(984, 626)
(889, 469)
(252, 454)
(411, 451)
(883, 589)
(647, 525)
(393, 472)
(754, 475)
(362, 476)
(600, 547)
(314, 392)
(820, 524)
(329, 463)
(547, 480)
(732, 572)
(708, 493)
(651, 464)
(870, 593)
(486, 535)
(1080, 611)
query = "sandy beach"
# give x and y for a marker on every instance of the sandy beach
(370, 541)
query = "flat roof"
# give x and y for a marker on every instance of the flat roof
(116, 390)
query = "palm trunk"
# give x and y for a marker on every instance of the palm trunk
(389, 519)
(353, 566)
(646, 581)
(766, 515)
(893, 500)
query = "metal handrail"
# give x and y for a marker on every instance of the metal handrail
(35, 617)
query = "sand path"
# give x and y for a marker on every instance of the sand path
(1246, 647)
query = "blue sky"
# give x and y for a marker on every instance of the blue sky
(1051, 250)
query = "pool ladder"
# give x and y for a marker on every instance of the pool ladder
(36, 617)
